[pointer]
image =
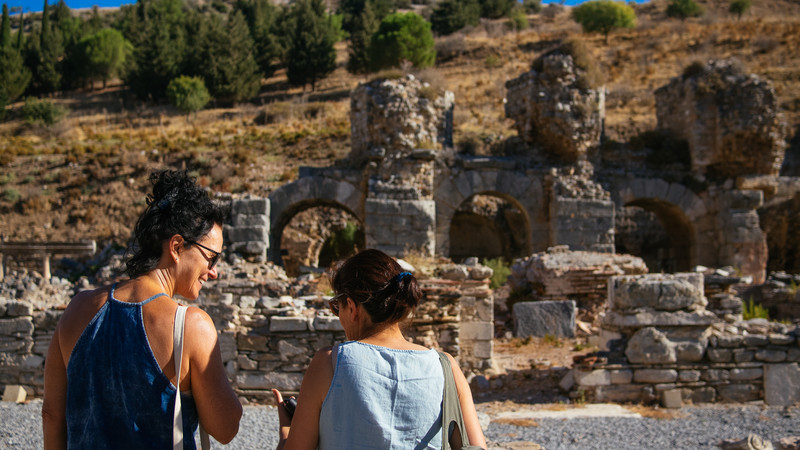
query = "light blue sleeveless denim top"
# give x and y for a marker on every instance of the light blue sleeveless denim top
(383, 398)
(117, 395)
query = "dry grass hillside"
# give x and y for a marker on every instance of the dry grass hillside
(85, 178)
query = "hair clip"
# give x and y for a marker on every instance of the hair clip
(401, 276)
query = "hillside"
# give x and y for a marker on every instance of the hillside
(85, 178)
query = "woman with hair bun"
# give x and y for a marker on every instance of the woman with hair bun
(111, 374)
(376, 390)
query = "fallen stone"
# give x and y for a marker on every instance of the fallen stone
(751, 442)
(555, 318)
(14, 393)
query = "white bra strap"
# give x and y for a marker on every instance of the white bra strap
(177, 353)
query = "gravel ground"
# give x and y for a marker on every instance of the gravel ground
(694, 428)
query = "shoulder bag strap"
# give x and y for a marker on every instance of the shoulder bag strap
(177, 354)
(452, 419)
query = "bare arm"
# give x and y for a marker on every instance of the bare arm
(217, 405)
(474, 431)
(54, 408)
(302, 431)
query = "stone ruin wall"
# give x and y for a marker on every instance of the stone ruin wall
(660, 344)
(266, 341)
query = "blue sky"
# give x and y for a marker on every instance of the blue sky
(36, 5)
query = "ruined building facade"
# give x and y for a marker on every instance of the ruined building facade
(695, 202)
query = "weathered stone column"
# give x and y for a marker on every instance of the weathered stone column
(248, 235)
(398, 127)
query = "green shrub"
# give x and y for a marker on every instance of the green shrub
(450, 16)
(683, 9)
(753, 310)
(11, 195)
(42, 111)
(604, 16)
(532, 6)
(501, 271)
(189, 94)
(739, 7)
(402, 37)
(518, 20)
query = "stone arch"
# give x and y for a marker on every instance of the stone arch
(306, 193)
(523, 191)
(680, 213)
(501, 233)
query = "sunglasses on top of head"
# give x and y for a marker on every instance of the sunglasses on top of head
(212, 261)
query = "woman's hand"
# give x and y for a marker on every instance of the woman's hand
(283, 418)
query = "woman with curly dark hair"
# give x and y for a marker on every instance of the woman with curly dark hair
(120, 353)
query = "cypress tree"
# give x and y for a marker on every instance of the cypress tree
(14, 76)
(5, 35)
(261, 17)
(363, 28)
(20, 32)
(47, 74)
(311, 55)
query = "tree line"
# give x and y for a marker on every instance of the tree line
(163, 49)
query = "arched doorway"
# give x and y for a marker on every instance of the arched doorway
(316, 235)
(489, 225)
(658, 232)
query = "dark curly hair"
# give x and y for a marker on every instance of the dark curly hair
(376, 281)
(176, 206)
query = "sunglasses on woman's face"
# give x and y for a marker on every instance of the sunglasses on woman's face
(333, 303)
(212, 261)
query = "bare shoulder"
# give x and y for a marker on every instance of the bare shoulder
(200, 330)
(83, 306)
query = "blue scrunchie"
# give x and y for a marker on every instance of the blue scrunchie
(401, 276)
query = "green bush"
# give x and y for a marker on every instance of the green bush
(739, 7)
(604, 16)
(532, 6)
(402, 37)
(189, 94)
(450, 16)
(683, 9)
(518, 20)
(753, 310)
(11, 195)
(501, 271)
(42, 111)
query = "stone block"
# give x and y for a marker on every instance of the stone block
(755, 340)
(227, 346)
(653, 376)
(556, 318)
(780, 339)
(245, 234)
(270, 380)
(248, 220)
(715, 375)
(605, 339)
(18, 309)
(327, 323)
(623, 376)
(599, 377)
(688, 376)
(650, 346)
(32, 362)
(482, 349)
(672, 398)
(719, 355)
(690, 351)
(14, 393)
(770, 355)
(703, 395)
(252, 342)
(289, 351)
(729, 340)
(246, 363)
(752, 373)
(250, 206)
(742, 356)
(483, 331)
(619, 393)
(793, 355)
(652, 318)
(738, 393)
(657, 291)
(279, 323)
(567, 381)
(19, 326)
(782, 384)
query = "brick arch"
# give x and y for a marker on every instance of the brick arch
(519, 189)
(680, 212)
(306, 193)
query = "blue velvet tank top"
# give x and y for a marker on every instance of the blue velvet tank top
(117, 395)
(383, 398)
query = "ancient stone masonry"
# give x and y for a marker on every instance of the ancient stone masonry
(267, 338)
(554, 111)
(727, 116)
(661, 344)
(249, 230)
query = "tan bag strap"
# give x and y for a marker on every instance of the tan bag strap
(177, 354)
(452, 418)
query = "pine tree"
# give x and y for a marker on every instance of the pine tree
(311, 54)
(261, 17)
(363, 28)
(14, 76)
(5, 35)
(103, 54)
(402, 36)
(47, 73)
(225, 59)
(21, 32)
(450, 16)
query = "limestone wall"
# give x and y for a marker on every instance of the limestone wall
(267, 341)
(662, 345)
